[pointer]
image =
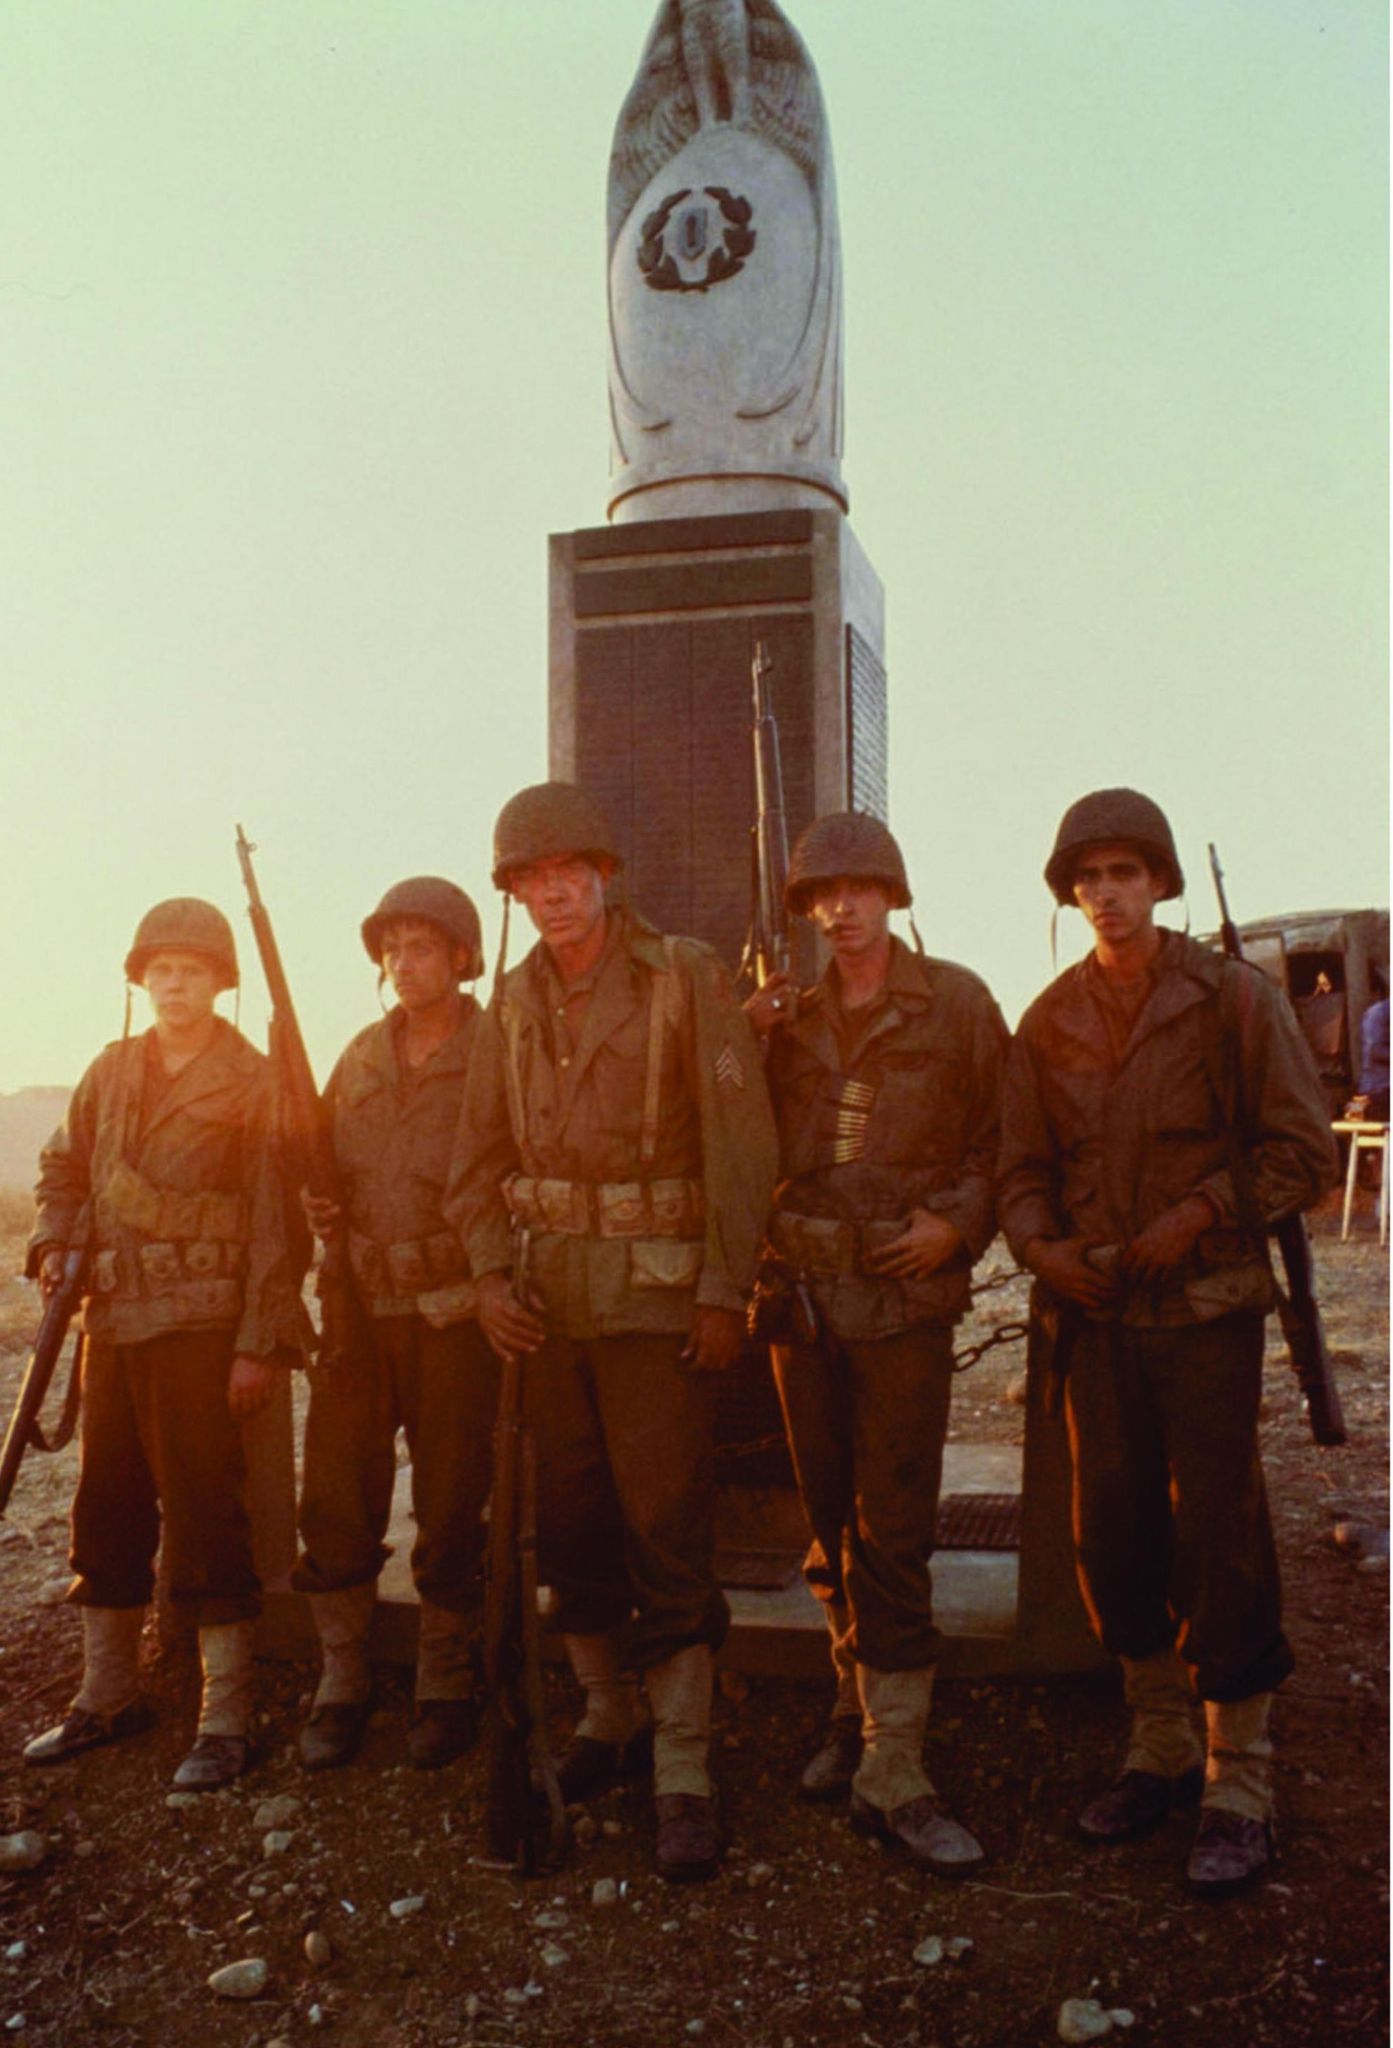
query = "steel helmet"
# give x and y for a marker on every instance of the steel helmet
(434, 901)
(547, 822)
(1113, 816)
(851, 843)
(184, 924)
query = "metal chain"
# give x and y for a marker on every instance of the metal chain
(999, 1280)
(1004, 1333)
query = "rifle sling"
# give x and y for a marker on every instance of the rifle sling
(72, 1403)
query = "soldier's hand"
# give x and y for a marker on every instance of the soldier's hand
(1061, 1263)
(322, 1214)
(50, 1270)
(1167, 1238)
(249, 1386)
(715, 1340)
(928, 1242)
(775, 1003)
(511, 1329)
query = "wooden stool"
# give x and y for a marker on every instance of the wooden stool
(1364, 1137)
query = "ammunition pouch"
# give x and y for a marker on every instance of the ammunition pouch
(828, 1245)
(167, 1213)
(413, 1267)
(661, 1209)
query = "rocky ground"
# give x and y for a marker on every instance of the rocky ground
(809, 1935)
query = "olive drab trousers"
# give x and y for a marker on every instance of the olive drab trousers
(866, 1420)
(162, 1462)
(624, 1433)
(1171, 1524)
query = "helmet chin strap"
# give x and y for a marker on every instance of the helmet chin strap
(1054, 940)
(914, 930)
(126, 1019)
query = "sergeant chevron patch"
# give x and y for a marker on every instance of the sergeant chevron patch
(729, 1072)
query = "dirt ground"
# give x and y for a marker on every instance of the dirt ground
(809, 1935)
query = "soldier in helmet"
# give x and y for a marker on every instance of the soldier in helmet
(165, 1163)
(615, 1122)
(1160, 1110)
(885, 1079)
(393, 1101)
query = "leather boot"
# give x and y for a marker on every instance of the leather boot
(108, 1706)
(891, 1796)
(689, 1837)
(221, 1750)
(1233, 1848)
(1163, 1766)
(343, 1699)
(828, 1773)
(610, 1745)
(445, 1719)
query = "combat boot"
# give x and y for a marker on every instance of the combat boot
(1163, 1768)
(343, 1699)
(689, 1836)
(445, 1718)
(891, 1796)
(221, 1750)
(108, 1706)
(1233, 1848)
(610, 1745)
(828, 1773)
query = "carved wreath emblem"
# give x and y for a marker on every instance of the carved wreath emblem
(658, 262)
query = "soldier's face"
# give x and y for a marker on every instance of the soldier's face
(1117, 892)
(565, 898)
(181, 988)
(420, 962)
(853, 916)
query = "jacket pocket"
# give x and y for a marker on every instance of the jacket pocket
(664, 1262)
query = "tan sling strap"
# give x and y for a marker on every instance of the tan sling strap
(664, 992)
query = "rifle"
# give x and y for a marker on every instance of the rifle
(519, 1832)
(1297, 1306)
(300, 1115)
(766, 948)
(25, 1431)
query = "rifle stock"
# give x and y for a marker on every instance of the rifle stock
(25, 1431)
(1297, 1307)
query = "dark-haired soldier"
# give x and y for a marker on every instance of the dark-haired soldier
(194, 1304)
(885, 1079)
(615, 1115)
(1161, 1109)
(394, 1101)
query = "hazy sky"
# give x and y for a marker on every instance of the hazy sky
(302, 329)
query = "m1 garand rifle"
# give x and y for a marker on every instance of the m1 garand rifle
(524, 1831)
(766, 948)
(1296, 1303)
(25, 1431)
(303, 1129)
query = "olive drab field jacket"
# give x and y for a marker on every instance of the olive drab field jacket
(1215, 1075)
(393, 1128)
(639, 1161)
(191, 1222)
(906, 1119)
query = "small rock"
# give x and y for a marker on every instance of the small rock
(696, 2028)
(16, 2023)
(553, 1955)
(1015, 1394)
(585, 1830)
(1121, 2017)
(548, 1919)
(611, 1829)
(256, 1891)
(277, 1812)
(16, 1952)
(24, 1851)
(959, 1948)
(604, 1892)
(315, 2015)
(853, 2005)
(473, 2006)
(84, 1848)
(929, 1952)
(1373, 1567)
(54, 1591)
(758, 1873)
(1364, 1539)
(276, 1842)
(1082, 2019)
(246, 1979)
(402, 1909)
(319, 1950)
(733, 1686)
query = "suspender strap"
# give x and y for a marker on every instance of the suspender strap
(663, 991)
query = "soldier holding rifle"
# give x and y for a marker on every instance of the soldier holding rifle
(193, 1307)
(1160, 1110)
(419, 1360)
(615, 1118)
(885, 1079)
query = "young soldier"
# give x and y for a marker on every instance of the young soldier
(394, 1101)
(1160, 1109)
(165, 1159)
(615, 1113)
(885, 1082)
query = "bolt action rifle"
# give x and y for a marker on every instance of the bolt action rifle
(1296, 1304)
(521, 1832)
(766, 948)
(304, 1129)
(25, 1432)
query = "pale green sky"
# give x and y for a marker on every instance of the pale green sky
(302, 333)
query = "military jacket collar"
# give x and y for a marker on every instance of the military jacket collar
(383, 1050)
(908, 993)
(227, 1061)
(618, 993)
(1185, 973)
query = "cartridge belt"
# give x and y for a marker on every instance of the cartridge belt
(827, 1244)
(606, 1208)
(411, 1266)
